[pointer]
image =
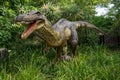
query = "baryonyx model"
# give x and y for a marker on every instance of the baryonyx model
(59, 35)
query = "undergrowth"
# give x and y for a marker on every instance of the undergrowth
(90, 63)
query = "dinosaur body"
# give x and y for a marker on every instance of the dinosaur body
(59, 35)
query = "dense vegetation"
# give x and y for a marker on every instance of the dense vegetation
(28, 61)
(98, 63)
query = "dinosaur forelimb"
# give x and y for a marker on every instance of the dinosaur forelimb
(47, 47)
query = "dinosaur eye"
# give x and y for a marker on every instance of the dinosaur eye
(38, 13)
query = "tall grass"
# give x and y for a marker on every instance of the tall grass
(91, 63)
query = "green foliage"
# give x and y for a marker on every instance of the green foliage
(29, 62)
(8, 30)
(104, 23)
(4, 36)
(89, 64)
(116, 12)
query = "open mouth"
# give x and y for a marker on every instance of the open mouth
(30, 28)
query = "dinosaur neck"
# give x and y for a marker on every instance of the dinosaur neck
(51, 36)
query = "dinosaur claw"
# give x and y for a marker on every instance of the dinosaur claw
(66, 58)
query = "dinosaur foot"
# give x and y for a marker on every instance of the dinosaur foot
(63, 58)
(66, 58)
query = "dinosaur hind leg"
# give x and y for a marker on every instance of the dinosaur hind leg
(74, 49)
(74, 41)
(59, 55)
(65, 56)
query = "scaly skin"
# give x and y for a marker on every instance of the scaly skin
(59, 35)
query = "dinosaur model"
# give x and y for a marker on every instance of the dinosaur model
(59, 35)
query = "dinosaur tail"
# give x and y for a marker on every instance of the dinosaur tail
(80, 24)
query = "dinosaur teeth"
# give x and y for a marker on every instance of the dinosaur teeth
(30, 28)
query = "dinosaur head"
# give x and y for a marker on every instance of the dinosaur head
(32, 20)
